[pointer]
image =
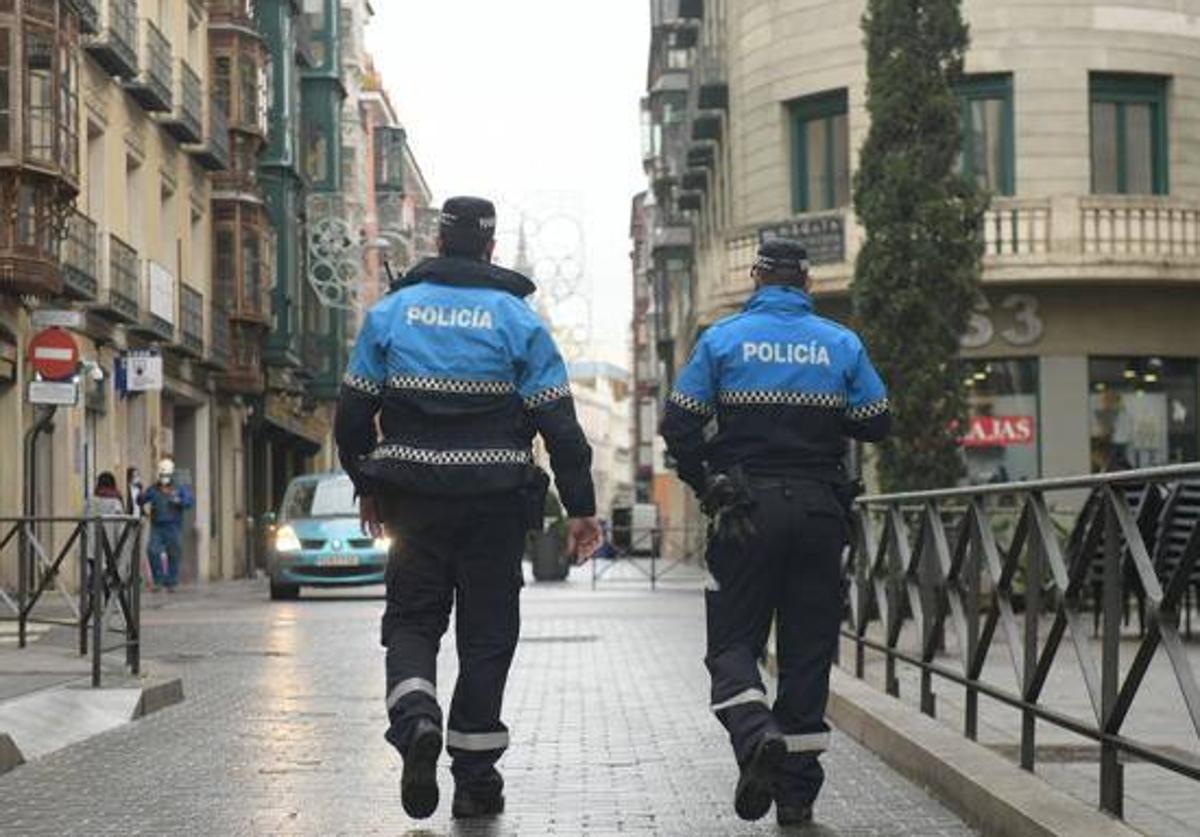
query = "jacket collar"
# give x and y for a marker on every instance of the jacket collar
(466, 273)
(780, 298)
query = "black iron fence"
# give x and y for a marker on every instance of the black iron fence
(651, 553)
(108, 562)
(999, 560)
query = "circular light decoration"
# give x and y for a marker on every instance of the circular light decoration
(336, 241)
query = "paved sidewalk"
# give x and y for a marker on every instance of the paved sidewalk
(281, 733)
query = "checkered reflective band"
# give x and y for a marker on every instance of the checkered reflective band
(548, 396)
(765, 398)
(424, 456)
(449, 386)
(364, 385)
(868, 411)
(692, 405)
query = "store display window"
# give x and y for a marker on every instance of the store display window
(1142, 412)
(1002, 441)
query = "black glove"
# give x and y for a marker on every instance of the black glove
(729, 506)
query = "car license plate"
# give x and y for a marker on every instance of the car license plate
(337, 561)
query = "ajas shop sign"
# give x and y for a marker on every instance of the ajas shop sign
(999, 431)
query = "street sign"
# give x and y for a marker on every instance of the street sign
(51, 318)
(53, 354)
(143, 373)
(55, 393)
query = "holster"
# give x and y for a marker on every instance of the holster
(537, 486)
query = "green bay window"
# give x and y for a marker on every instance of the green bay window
(820, 152)
(1129, 134)
(988, 150)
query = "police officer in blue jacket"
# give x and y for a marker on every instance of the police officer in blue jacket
(786, 390)
(461, 374)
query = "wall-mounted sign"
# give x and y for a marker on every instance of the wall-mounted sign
(162, 293)
(143, 372)
(999, 431)
(54, 393)
(1020, 324)
(824, 236)
(51, 318)
(53, 354)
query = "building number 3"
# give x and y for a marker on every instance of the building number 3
(1027, 327)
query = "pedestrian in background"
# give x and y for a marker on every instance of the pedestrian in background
(167, 502)
(787, 389)
(106, 501)
(462, 374)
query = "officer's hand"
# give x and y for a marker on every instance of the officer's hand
(369, 517)
(584, 537)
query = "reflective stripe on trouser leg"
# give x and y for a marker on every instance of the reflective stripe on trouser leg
(413, 685)
(812, 742)
(747, 696)
(476, 742)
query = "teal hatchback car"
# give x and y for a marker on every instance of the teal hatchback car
(318, 542)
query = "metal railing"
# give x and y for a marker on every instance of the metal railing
(123, 283)
(108, 551)
(937, 578)
(219, 347)
(191, 319)
(191, 100)
(80, 255)
(157, 69)
(652, 553)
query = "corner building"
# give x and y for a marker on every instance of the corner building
(1082, 119)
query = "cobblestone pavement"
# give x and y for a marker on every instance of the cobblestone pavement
(281, 731)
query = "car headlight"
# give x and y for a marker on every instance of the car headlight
(383, 544)
(286, 540)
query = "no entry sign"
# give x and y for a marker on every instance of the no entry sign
(53, 354)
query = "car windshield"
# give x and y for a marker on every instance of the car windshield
(332, 497)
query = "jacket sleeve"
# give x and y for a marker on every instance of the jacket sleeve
(359, 402)
(868, 416)
(186, 498)
(545, 389)
(688, 411)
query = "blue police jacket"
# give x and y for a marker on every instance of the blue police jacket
(786, 387)
(462, 374)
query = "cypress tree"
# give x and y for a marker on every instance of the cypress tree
(917, 274)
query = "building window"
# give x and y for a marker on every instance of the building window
(1003, 441)
(5, 94)
(821, 152)
(317, 153)
(988, 135)
(248, 80)
(1129, 134)
(1142, 412)
(39, 94)
(222, 81)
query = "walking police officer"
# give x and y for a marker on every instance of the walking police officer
(786, 388)
(461, 374)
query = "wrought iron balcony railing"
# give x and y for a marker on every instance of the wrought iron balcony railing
(213, 152)
(191, 321)
(115, 44)
(120, 298)
(89, 15)
(925, 562)
(186, 122)
(219, 348)
(153, 85)
(81, 258)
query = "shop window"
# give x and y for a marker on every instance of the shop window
(988, 137)
(821, 152)
(1129, 134)
(1142, 412)
(1002, 442)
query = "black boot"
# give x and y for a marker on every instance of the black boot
(477, 804)
(756, 785)
(418, 784)
(793, 815)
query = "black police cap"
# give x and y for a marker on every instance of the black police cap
(467, 218)
(783, 255)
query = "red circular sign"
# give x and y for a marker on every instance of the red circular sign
(53, 354)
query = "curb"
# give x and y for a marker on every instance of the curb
(158, 693)
(989, 793)
(10, 756)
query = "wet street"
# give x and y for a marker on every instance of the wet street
(281, 730)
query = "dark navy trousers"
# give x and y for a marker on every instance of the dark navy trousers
(465, 555)
(789, 574)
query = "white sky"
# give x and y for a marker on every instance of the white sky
(532, 103)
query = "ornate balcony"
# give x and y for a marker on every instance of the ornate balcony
(81, 258)
(152, 87)
(119, 298)
(115, 44)
(89, 15)
(245, 374)
(191, 321)
(186, 122)
(213, 152)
